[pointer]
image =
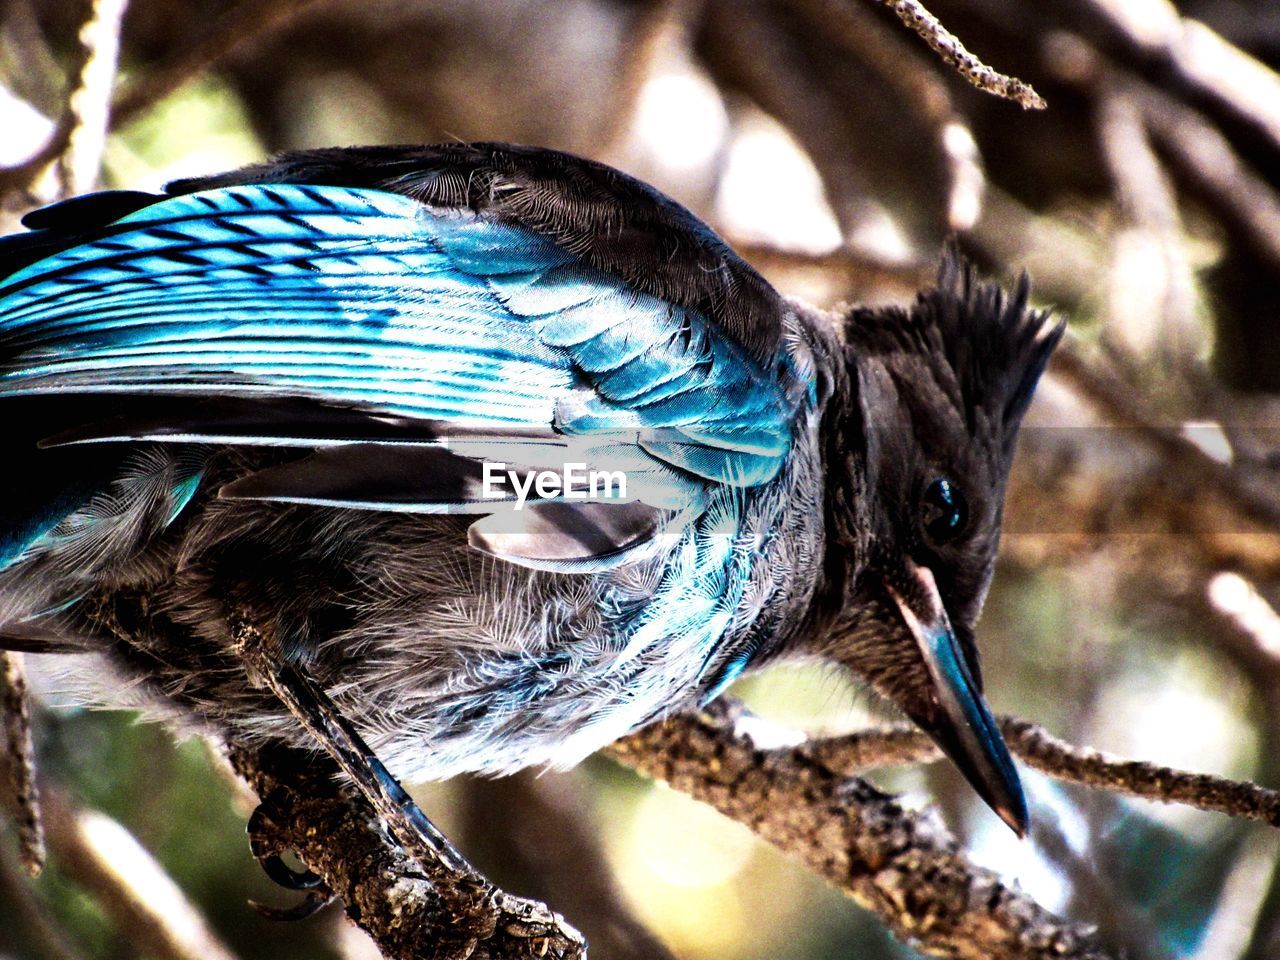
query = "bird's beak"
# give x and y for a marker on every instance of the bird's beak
(959, 721)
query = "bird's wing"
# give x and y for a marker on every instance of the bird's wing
(407, 343)
(609, 220)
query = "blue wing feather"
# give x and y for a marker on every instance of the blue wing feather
(370, 300)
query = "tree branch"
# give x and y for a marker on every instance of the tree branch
(20, 762)
(946, 45)
(337, 834)
(901, 865)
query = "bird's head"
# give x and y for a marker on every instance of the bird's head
(919, 449)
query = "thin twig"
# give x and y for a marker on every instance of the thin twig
(1209, 160)
(865, 750)
(1138, 778)
(1199, 59)
(1200, 154)
(246, 22)
(921, 90)
(77, 140)
(946, 45)
(1063, 761)
(1258, 505)
(20, 762)
(1238, 604)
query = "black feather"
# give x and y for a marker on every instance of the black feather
(988, 348)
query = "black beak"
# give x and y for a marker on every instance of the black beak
(960, 721)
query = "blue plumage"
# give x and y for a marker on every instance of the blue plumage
(364, 298)
(279, 392)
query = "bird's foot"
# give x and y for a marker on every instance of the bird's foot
(267, 850)
(528, 928)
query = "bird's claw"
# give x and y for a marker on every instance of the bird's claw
(313, 903)
(267, 850)
(284, 875)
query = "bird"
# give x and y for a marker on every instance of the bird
(362, 396)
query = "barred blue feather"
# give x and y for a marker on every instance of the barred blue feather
(370, 301)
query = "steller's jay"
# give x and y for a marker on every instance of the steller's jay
(324, 393)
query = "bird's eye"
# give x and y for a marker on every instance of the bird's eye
(944, 512)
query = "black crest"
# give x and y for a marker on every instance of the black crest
(986, 346)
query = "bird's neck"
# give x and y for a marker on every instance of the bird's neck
(845, 499)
